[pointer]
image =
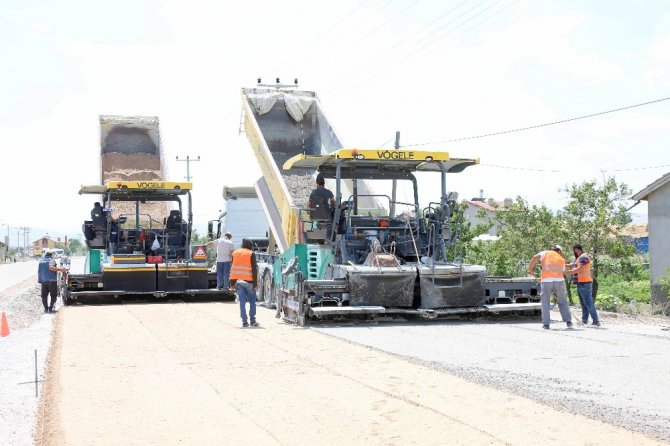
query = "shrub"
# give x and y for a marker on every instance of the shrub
(618, 294)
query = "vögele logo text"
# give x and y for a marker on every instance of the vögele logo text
(149, 185)
(395, 155)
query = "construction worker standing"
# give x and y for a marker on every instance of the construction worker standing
(224, 252)
(47, 276)
(243, 272)
(552, 281)
(581, 268)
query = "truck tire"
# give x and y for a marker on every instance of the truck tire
(65, 295)
(267, 290)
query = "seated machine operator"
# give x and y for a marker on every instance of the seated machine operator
(322, 205)
(97, 211)
(321, 201)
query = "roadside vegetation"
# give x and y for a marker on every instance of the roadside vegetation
(593, 217)
(75, 248)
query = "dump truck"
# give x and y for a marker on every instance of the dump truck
(369, 256)
(139, 231)
(242, 215)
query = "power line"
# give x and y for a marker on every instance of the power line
(523, 5)
(562, 121)
(336, 24)
(401, 42)
(527, 169)
(374, 30)
(339, 40)
(441, 33)
(637, 168)
(384, 143)
(285, 70)
(384, 62)
(531, 169)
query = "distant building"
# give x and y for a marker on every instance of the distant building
(638, 235)
(3, 252)
(481, 211)
(657, 194)
(46, 242)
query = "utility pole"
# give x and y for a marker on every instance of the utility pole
(7, 236)
(26, 232)
(188, 161)
(395, 182)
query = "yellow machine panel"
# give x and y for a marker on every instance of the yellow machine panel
(144, 185)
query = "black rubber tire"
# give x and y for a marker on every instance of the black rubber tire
(267, 290)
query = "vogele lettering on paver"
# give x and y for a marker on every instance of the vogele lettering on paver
(395, 154)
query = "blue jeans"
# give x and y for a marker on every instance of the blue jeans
(222, 274)
(246, 291)
(584, 290)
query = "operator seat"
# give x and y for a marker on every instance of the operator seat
(95, 230)
(174, 221)
(176, 236)
(322, 214)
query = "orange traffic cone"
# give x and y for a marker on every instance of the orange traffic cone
(4, 328)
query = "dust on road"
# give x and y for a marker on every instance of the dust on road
(165, 374)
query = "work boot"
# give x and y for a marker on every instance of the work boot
(546, 327)
(245, 325)
(568, 324)
(596, 323)
(254, 324)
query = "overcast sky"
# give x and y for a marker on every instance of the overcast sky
(434, 70)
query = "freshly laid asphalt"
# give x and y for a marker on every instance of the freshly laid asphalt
(619, 373)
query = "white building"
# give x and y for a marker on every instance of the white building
(657, 194)
(488, 207)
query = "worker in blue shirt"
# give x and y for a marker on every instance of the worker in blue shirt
(47, 275)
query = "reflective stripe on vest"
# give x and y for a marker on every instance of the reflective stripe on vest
(553, 265)
(583, 272)
(240, 269)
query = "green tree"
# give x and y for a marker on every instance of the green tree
(594, 216)
(524, 231)
(75, 247)
(464, 231)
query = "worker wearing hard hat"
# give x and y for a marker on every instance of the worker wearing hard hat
(552, 281)
(581, 268)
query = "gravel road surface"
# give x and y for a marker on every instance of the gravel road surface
(30, 330)
(189, 374)
(14, 273)
(618, 374)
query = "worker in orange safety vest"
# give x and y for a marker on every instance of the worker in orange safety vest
(581, 268)
(552, 281)
(243, 272)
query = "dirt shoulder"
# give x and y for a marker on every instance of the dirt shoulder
(187, 373)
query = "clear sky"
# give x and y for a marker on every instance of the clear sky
(434, 70)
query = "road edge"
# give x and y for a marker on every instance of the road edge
(47, 428)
